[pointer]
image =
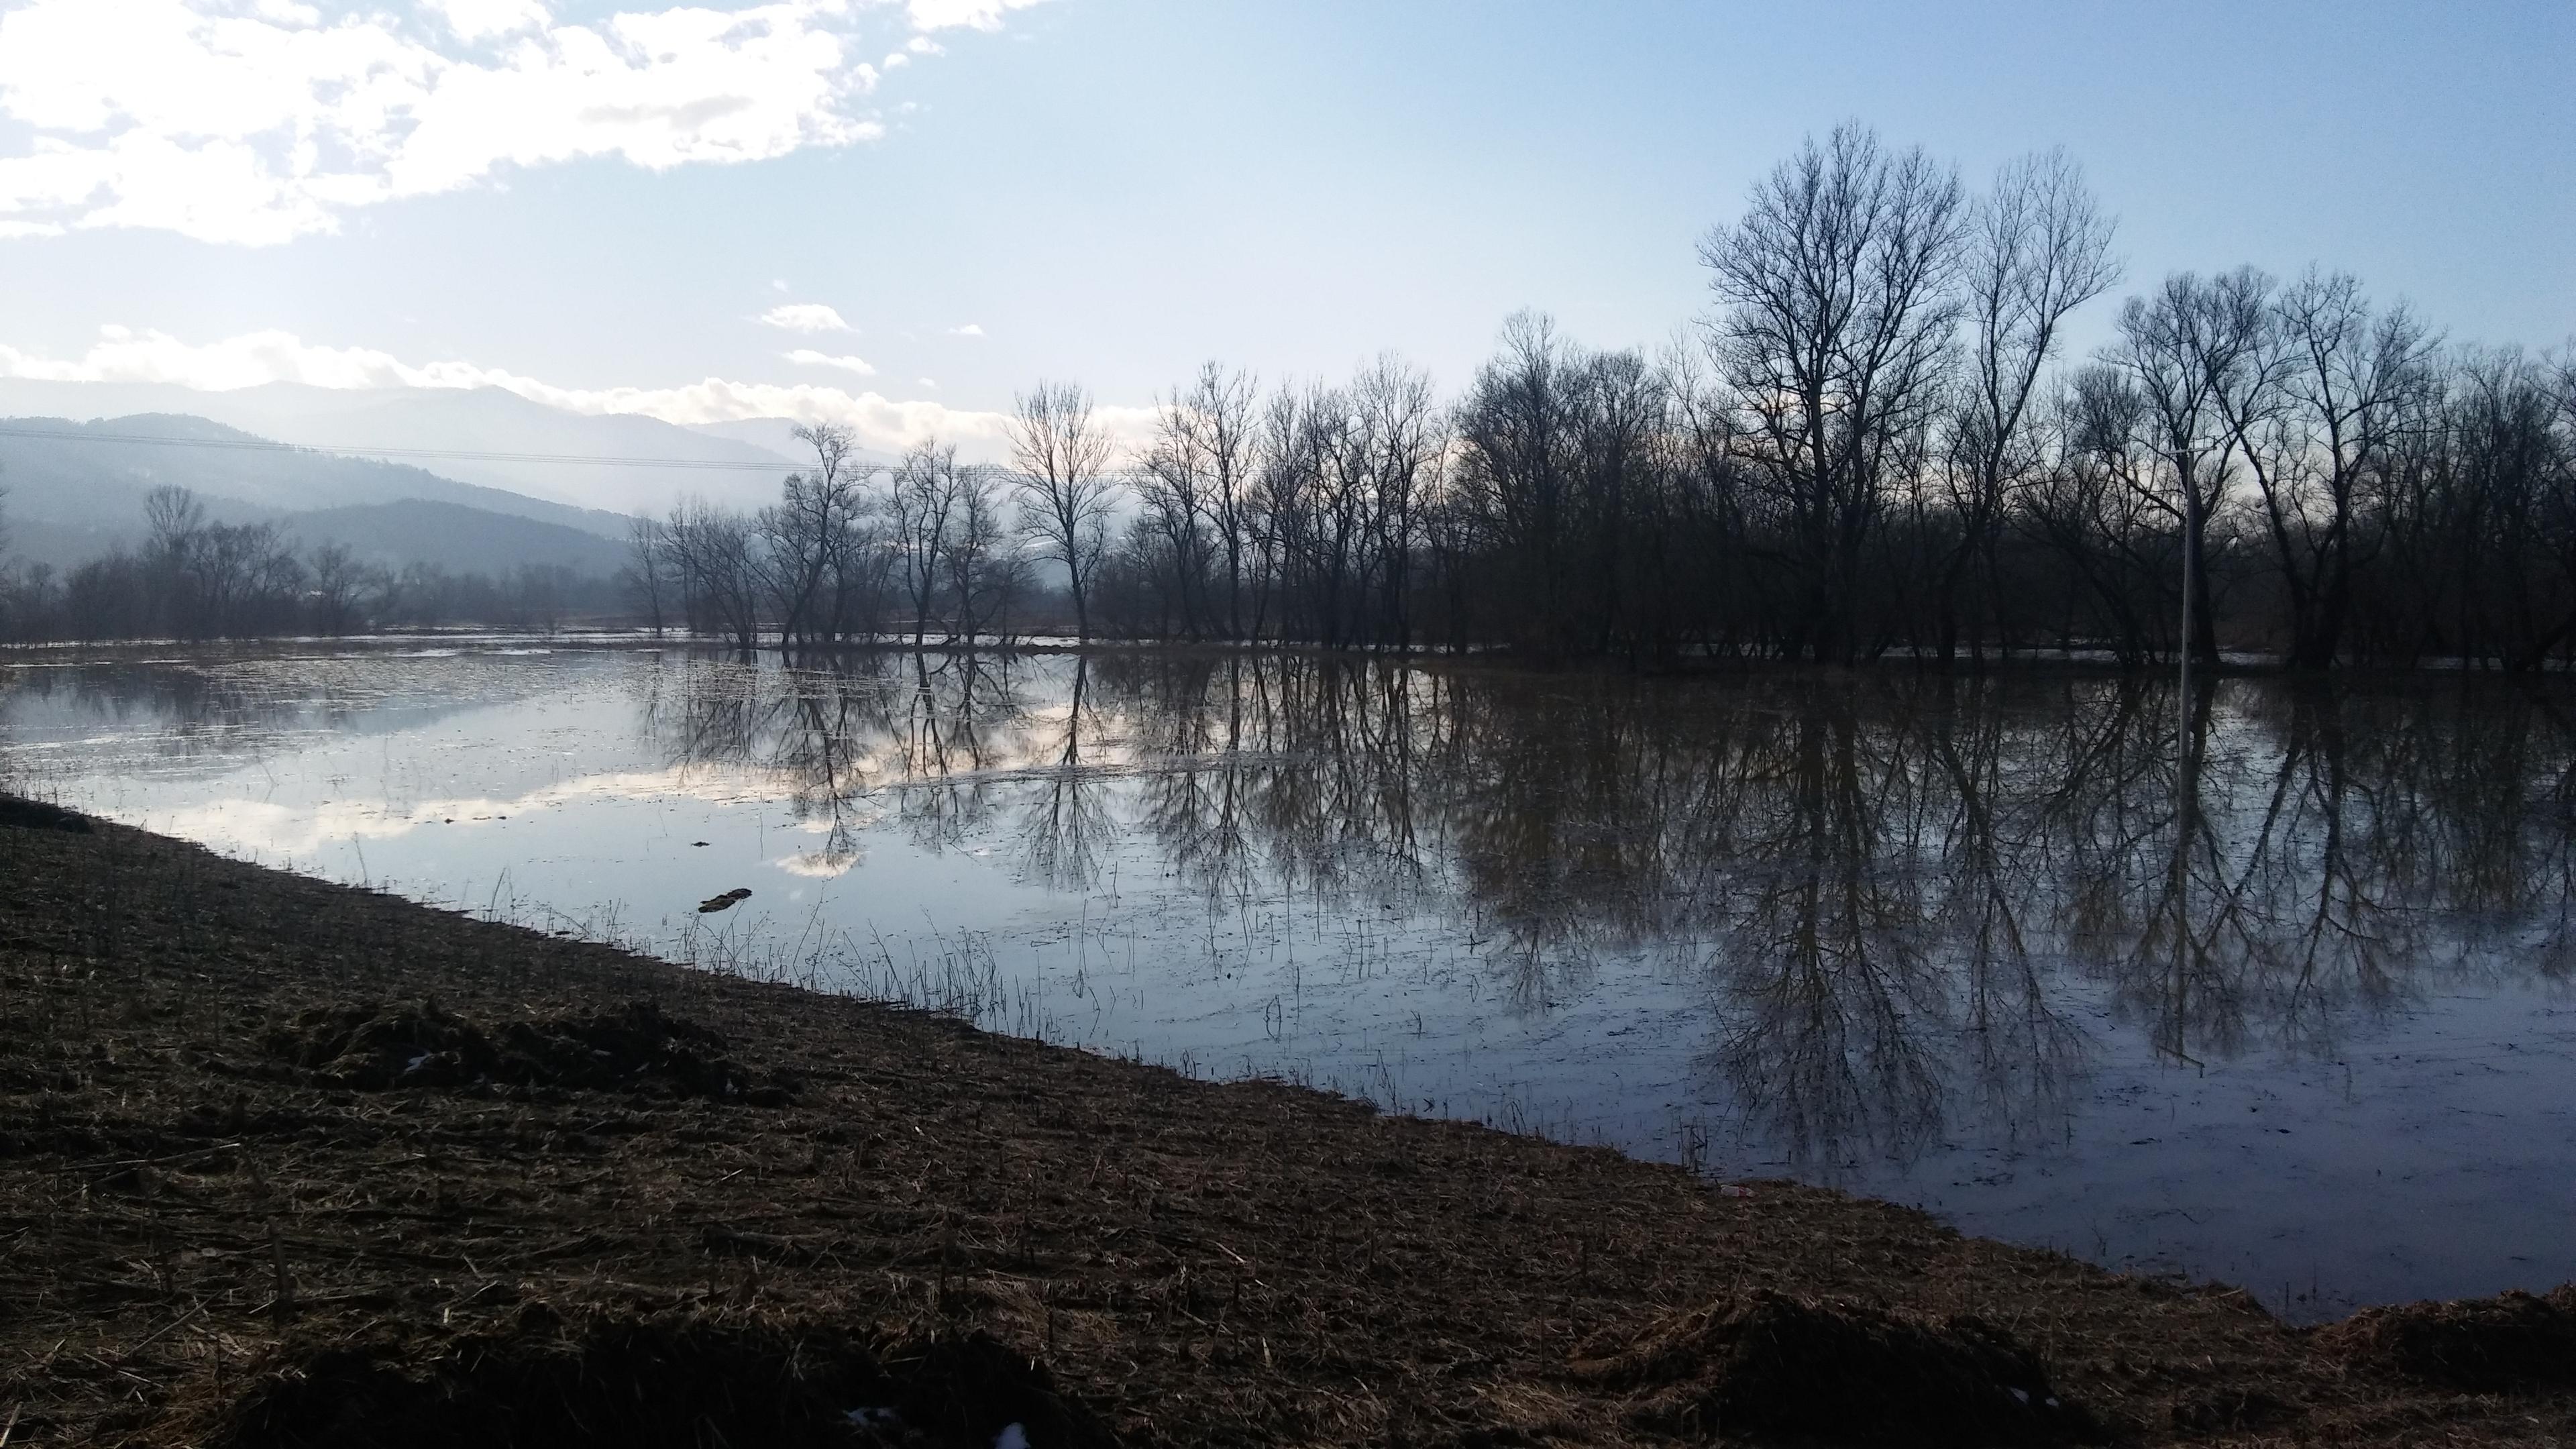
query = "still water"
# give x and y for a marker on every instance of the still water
(2289, 1008)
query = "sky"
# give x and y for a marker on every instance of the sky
(896, 214)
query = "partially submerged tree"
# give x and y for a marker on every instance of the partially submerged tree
(987, 570)
(716, 553)
(2180, 348)
(339, 583)
(2037, 248)
(921, 505)
(1836, 308)
(2314, 420)
(1062, 457)
(809, 536)
(647, 575)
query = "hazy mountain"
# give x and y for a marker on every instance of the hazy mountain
(775, 435)
(75, 491)
(480, 420)
(455, 538)
(85, 473)
(778, 435)
(63, 543)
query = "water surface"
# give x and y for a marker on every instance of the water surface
(2287, 1008)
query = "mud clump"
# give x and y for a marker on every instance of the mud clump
(643, 1384)
(2513, 1343)
(1837, 1371)
(375, 1048)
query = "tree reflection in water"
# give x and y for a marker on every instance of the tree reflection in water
(1890, 887)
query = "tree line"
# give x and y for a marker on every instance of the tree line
(195, 578)
(1873, 445)
(853, 554)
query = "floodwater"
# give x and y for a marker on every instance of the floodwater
(2288, 1008)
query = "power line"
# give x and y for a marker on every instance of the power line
(458, 455)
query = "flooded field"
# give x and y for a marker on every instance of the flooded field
(2269, 985)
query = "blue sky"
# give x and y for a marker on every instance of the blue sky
(1113, 190)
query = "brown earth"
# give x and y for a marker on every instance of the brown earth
(285, 1163)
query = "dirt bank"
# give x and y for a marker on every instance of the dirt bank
(289, 1163)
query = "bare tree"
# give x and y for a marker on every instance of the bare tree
(1515, 473)
(987, 571)
(2341, 381)
(924, 498)
(216, 580)
(2179, 347)
(1062, 455)
(2511, 485)
(174, 516)
(1620, 415)
(1837, 306)
(2038, 247)
(1224, 407)
(861, 580)
(1177, 483)
(338, 582)
(716, 554)
(2095, 506)
(647, 574)
(805, 533)
(19, 602)
(1403, 432)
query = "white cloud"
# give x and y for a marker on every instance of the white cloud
(474, 19)
(128, 355)
(124, 355)
(969, 330)
(808, 357)
(806, 317)
(974, 14)
(257, 121)
(930, 383)
(778, 284)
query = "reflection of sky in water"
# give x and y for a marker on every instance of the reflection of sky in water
(1912, 937)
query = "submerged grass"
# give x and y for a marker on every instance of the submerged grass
(223, 1181)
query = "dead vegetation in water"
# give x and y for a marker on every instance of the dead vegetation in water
(219, 1165)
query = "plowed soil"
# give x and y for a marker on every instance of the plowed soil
(289, 1163)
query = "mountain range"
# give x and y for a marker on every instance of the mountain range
(738, 464)
(464, 478)
(74, 491)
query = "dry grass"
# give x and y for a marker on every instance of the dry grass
(199, 1205)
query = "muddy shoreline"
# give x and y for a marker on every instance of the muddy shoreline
(269, 1145)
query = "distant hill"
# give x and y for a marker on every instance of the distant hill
(64, 538)
(456, 538)
(483, 420)
(778, 435)
(61, 471)
(75, 491)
